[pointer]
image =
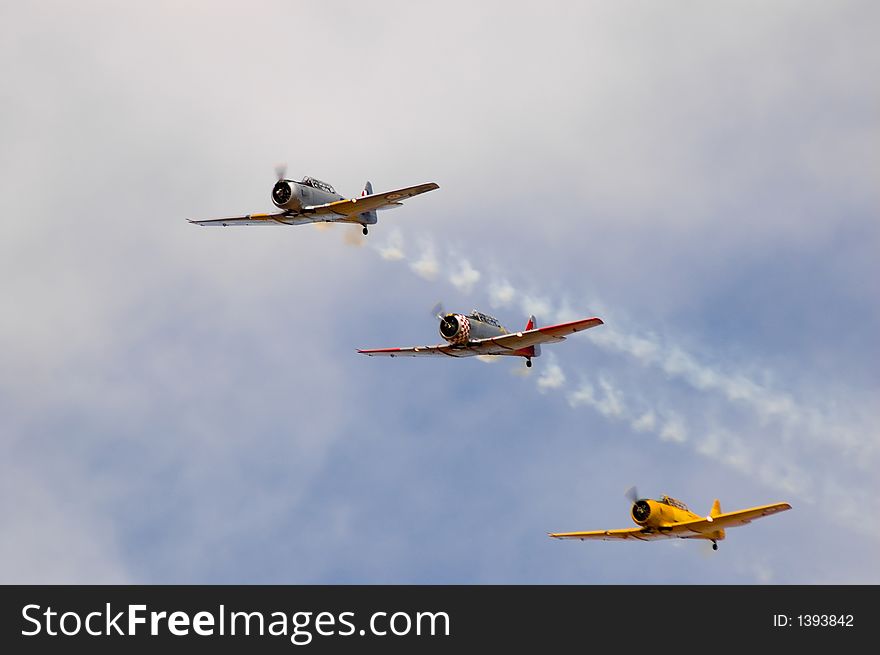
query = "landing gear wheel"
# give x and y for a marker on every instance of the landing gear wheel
(714, 546)
(528, 363)
(366, 231)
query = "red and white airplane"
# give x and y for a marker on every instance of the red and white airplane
(479, 334)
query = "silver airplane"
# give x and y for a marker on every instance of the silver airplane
(313, 201)
(481, 334)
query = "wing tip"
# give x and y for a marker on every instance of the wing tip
(590, 319)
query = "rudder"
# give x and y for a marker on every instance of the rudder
(535, 351)
(368, 218)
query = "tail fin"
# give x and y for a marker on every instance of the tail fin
(531, 325)
(716, 508)
(368, 218)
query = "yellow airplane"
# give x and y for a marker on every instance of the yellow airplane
(668, 518)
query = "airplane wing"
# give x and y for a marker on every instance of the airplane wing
(504, 345)
(340, 210)
(683, 530)
(282, 218)
(352, 207)
(420, 351)
(520, 340)
(728, 519)
(610, 535)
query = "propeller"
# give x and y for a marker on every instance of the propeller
(641, 509)
(632, 494)
(281, 192)
(449, 324)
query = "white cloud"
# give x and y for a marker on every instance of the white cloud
(56, 536)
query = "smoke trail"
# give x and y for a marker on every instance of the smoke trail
(426, 265)
(609, 404)
(354, 237)
(793, 418)
(393, 250)
(464, 276)
(501, 294)
(779, 416)
(773, 467)
(551, 376)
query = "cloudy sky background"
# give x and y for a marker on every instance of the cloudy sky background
(184, 405)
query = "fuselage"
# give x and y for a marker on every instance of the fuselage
(295, 196)
(459, 329)
(656, 515)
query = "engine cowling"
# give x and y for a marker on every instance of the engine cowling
(641, 511)
(651, 513)
(455, 328)
(285, 195)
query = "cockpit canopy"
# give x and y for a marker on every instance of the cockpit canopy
(484, 318)
(674, 503)
(317, 184)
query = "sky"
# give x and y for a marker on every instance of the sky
(186, 405)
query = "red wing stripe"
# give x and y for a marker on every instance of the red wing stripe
(586, 322)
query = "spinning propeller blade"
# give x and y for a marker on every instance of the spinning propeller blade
(632, 494)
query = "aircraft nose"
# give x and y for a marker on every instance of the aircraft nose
(449, 326)
(641, 511)
(281, 192)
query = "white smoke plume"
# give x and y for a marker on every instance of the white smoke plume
(609, 403)
(777, 415)
(501, 294)
(551, 377)
(392, 251)
(464, 276)
(426, 265)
